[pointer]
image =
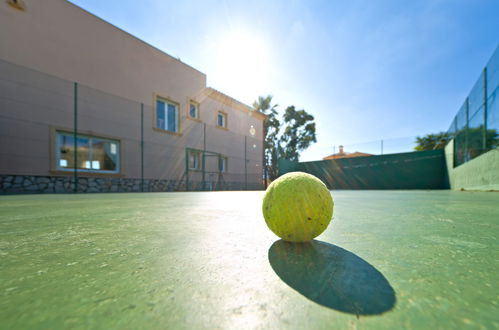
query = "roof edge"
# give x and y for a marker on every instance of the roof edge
(230, 101)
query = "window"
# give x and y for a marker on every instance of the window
(166, 115)
(222, 164)
(222, 119)
(194, 160)
(94, 154)
(193, 110)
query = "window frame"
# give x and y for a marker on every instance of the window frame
(225, 119)
(199, 159)
(222, 160)
(56, 152)
(196, 105)
(166, 101)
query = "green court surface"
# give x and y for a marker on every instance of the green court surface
(206, 260)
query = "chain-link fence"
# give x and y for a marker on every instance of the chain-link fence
(62, 136)
(475, 127)
(374, 147)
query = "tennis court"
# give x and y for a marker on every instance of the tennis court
(196, 260)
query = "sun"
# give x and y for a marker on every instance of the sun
(241, 64)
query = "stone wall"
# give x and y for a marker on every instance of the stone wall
(24, 184)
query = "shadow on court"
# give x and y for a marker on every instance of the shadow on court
(332, 277)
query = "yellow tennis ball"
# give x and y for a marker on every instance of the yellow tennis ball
(297, 207)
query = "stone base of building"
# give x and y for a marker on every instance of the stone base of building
(27, 184)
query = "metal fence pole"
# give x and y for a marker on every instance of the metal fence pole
(75, 137)
(203, 179)
(467, 128)
(186, 169)
(245, 164)
(142, 147)
(264, 157)
(484, 141)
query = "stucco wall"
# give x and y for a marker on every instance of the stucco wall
(53, 44)
(481, 173)
(30, 102)
(35, 104)
(231, 142)
(57, 37)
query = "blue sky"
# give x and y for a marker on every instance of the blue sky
(367, 70)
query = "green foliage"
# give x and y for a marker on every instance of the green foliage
(475, 138)
(286, 140)
(469, 143)
(432, 141)
(271, 126)
(299, 133)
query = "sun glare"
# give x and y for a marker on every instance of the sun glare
(242, 64)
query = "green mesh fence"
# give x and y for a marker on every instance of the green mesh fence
(476, 125)
(411, 170)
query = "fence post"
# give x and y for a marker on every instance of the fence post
(484, 140)
(203, 174)
(264, 157)
(75, 137)
(186, 169)
(245, 164)
(142, 147)
(467, 128)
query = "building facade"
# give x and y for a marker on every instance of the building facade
(87, 107)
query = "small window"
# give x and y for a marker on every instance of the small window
(94, 154)
(222, 164)
(166, 115)
(194, 160)
(194, 110)
(222, 119)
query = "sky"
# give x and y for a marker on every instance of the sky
(367, 70)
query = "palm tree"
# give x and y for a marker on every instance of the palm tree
(271, 127)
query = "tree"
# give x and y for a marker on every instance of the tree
(469, 142)
(476, 136)
(473, 135)
(298, 134)
(271, 127)
(432, 141)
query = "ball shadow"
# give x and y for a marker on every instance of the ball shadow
(332, 277)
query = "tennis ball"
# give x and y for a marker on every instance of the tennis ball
(297, 207)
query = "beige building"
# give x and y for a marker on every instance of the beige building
(86, 106)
